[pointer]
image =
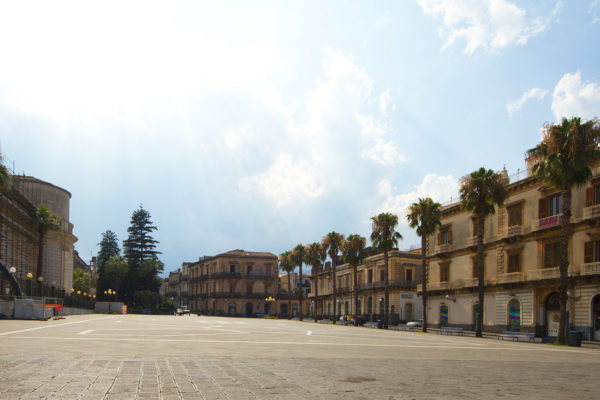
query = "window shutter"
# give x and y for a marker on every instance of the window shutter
(449, 237)
(588, 252)
(589, 196)
(542, 208)
(439, 238)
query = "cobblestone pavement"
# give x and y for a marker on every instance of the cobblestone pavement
(135, 357)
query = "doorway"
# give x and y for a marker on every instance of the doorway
(552, 315)
(248, 309)
(596, 317)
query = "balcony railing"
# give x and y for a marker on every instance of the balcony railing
(184, 277)
(471, 241)
(547, 273)
(510, 231)
(258, 276)
(218, 275)
(402, 284)
(443, 248)
(470, 282)
(437, 285)
(545, 223)
(592, 268)
(510, 277)
(591, 212)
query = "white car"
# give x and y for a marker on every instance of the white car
(414, 324)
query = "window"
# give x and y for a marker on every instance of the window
(360, 278)
(592, 194)
(444, 272)
(515, 215)
(474, 268)
(549, 206)
(249, 269)
(268, 269)
(409, 274)
(347, 283)
(232, 268)
(370, 276)
(514, 263)
(231, 287)
(591, 251)
(551, 254)
(445, 237)
(382, 275)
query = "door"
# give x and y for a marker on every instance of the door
(248, 308)
(408, 312)
(596, 316)
(552, 315)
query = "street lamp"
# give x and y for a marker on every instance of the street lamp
(40, 279)
(269, 300)
(29, 276)
(53, 284)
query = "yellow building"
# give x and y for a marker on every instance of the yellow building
(235, 283)
(404, 274)
(521, 263)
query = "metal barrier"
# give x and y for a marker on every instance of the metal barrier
(41, 308)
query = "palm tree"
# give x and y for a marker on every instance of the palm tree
(296, 260)
(286, 266)
(562, 160)
(45, 220)
(385, 238)
(331, 242)
(479, 192)
(81, 280)
(315, 255)
(425, 216)
(354, 253)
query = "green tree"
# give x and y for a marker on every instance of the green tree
(45, 221)
(117, 273)
(480, 191)
(425, 216)
(562, 160)
(148, 273)
(354, 253)
(385, 238)
(332, 242)
(5, 176)
(315, 255)
(140, 246)
(81, 280)
(297, 259)
(286, 266)
(109, 247)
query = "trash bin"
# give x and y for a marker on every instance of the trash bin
(575, 338)
(379, 324)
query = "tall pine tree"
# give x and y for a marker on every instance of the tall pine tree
(109, 247)
(140, 250)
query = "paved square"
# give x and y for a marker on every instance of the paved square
(190, 357)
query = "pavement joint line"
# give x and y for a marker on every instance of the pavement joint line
(51, 326)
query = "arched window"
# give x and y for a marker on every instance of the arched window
(514, 315)
(231, 308)
(443, 315)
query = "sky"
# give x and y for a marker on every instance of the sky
(258, 125)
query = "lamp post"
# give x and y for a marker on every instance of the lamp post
(12, 271)
(40, 279)
(29, 276)
(269, 300)
(53, 284)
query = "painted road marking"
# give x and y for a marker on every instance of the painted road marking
(51, 326)
(309, 333)
(86, 332)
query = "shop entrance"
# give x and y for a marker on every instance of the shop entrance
(552, 315)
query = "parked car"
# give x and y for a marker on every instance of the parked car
(182, 311)
(415, 324)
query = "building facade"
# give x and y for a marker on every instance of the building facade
(404, 275)
(235, 283)
(521, 245)
(19, 238)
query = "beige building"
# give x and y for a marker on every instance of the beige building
(19, 238)
(235, 283)
(404, 274)
(521, 243)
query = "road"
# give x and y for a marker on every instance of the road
(190, 357)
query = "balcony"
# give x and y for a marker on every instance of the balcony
(510, 277)
(443, 248)
(218, 275)
(258, 276)
(437, 286)
(592, 268)
(470, 282)
(471, 241)
(184, 277)
(510, 231)
(545, 223)
(591, 212)
(547, 273)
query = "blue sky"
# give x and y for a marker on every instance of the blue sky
(260, 125)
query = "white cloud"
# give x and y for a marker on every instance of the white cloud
(534, 93)
(574, 98)
(487, 24)
(287, 180)
(384, 103)
(439, 188)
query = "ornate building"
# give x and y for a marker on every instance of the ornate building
(521, 263)
(404, 274)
